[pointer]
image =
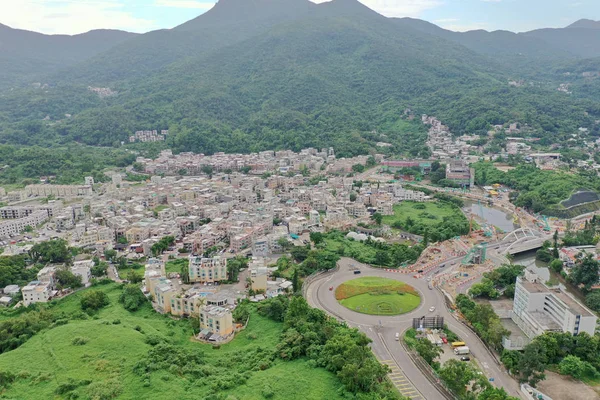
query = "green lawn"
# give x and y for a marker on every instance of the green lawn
(377, 296)
(429, 213)
(175, 265)
(116, 342)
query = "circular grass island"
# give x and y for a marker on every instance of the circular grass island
(377, 296)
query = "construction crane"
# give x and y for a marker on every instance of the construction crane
(546, 223)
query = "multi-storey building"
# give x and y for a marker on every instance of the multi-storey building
(207, 270)
(13, 227)
(36, 292)
(217, 320)
(538, 309)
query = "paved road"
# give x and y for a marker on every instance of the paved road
(382, 330)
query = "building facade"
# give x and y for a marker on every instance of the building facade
(207, 270)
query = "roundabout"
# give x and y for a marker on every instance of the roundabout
(384, 328)
(377, 296)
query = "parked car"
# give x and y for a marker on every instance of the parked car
(330, 287)
(357, 272)
(465, 358)
(432, 309)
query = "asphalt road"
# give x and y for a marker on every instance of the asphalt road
(382, 329)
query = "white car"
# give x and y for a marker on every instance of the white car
(432, 309)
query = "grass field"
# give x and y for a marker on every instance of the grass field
(431, 213)
(377, 296)
(116, 342)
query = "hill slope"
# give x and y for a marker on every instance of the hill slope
(26, 55)
(323, 75)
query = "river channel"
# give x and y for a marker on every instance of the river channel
(498, 218)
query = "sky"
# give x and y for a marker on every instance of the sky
(78, 16)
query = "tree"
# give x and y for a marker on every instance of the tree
(494, 393)
(585, 272)
(555, 248)
(122, 240)
(99, 269)
(317, 237)
(353, 197)
(207, 170)
(457, 375)
(532, 365)
(300, 253)
(52, 251)
(110, 254)
(556, 265)
(592, 300)
(184, 273)
(284, 243)
(378, 218)
(428, 351)
(134, 277)
(93, 300)
(571, 365)
(132, 298)
(66, 279)
(296, 281)
(234, 266)
(371, 162)
(358, 168)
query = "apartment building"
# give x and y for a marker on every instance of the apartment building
(58, 190)
(13, 227)
(538, 309)
(217, 320)
(207, 270)
(186, 304)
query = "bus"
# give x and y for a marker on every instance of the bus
(458, 344)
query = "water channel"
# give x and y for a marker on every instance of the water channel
(492, 216)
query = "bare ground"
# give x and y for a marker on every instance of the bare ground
(559, 387)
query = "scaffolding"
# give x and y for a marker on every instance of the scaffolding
(477, 255)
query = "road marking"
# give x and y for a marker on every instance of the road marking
(398, 379)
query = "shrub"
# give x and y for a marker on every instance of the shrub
(104, 390)
(93, 300)
(79, 341)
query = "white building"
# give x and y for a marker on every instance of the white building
(36, 292)
(538, 309)
(13, 227)
(84, 270)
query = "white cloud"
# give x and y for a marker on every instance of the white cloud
(398, 8)
(204, 5)
(70, 16)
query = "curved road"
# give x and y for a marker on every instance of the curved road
(382, 329)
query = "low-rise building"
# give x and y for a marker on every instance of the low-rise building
(84, 270)
(36, 292)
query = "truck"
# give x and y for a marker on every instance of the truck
(459, 351)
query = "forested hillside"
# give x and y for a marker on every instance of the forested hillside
(252, 75)
(26, 55)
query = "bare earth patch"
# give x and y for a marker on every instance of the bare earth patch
(562, 388)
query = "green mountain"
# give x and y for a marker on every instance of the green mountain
(26, 55)
(255, 74)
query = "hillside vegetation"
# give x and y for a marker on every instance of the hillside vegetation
(292, 75)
